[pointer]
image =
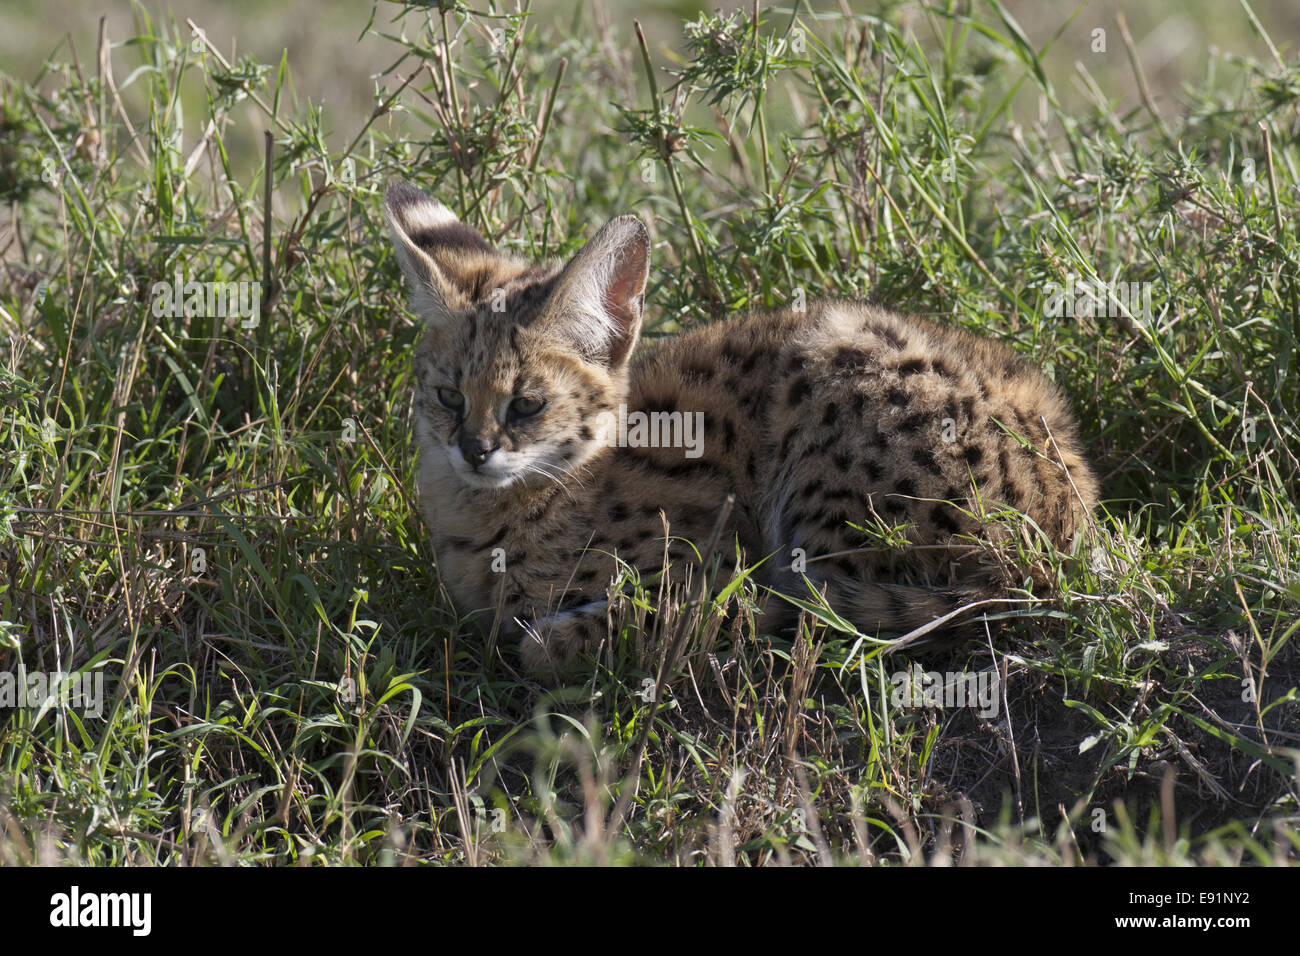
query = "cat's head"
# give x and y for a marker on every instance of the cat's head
(520, 362)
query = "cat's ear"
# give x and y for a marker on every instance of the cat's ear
(597, 300)
(439, 255)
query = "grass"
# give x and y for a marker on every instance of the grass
(220, 519)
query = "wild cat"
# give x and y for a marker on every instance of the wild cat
(817, 420)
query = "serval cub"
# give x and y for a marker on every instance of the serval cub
(816, 420)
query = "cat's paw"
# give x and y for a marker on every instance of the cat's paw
(551, 647)
(539, 659)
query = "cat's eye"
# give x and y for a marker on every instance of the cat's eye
(523, 407)
(451, 398)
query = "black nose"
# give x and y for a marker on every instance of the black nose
(476, 450)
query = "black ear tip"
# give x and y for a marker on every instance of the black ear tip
(400, 193)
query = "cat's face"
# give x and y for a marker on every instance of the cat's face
(506, 401)
(519, 363)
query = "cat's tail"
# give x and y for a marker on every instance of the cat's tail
(907, 614)
(914, 614)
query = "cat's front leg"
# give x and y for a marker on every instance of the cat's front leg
(550, 646)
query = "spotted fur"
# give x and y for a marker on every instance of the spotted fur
(816, 420)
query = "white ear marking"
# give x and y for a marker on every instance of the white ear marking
(410, 210)
(428, 215)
